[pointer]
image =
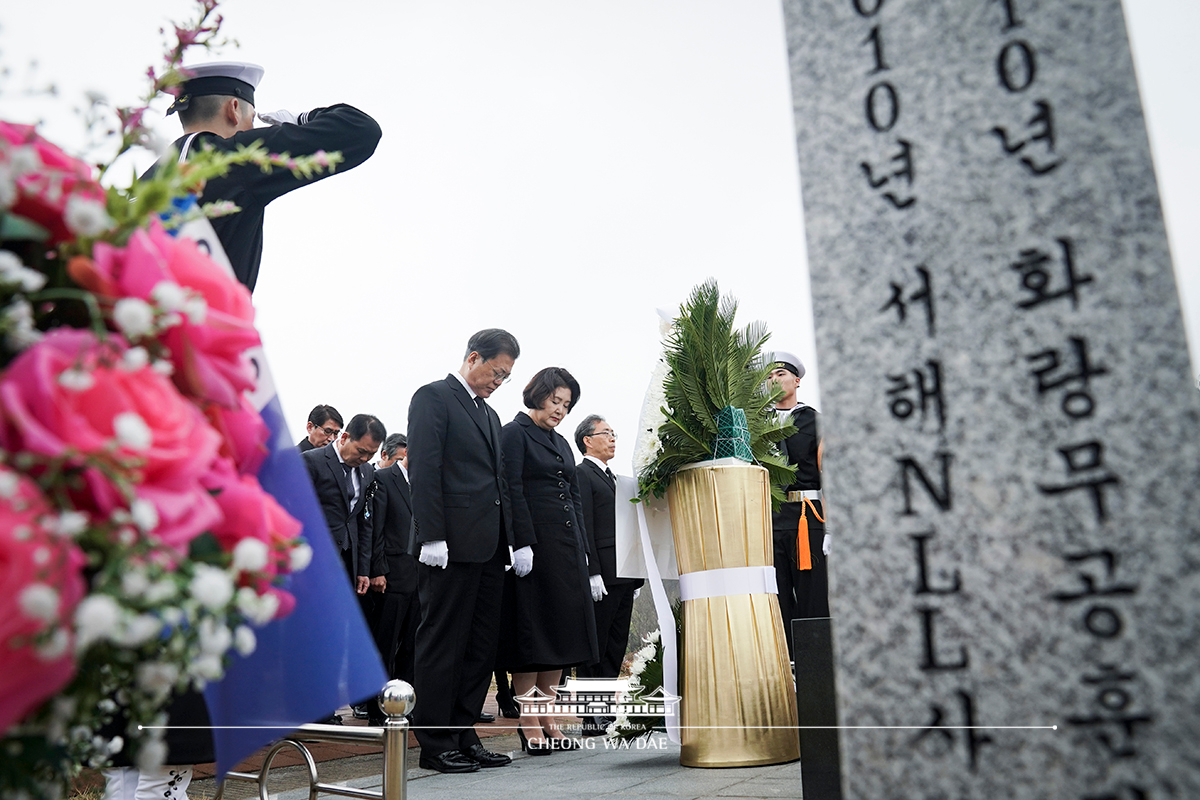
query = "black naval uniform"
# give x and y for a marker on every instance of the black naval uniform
(803, 594)
(339, 128)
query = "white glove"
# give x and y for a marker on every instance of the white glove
(598, 590)
(523, 561)
(826, 544)
(636, 592)
(435, 554)
(278, 117)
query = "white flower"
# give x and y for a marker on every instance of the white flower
(259, 609)
(195, 309)
(156, 678)
(250, 555)
(71, 523)
(21, 333)
(54, 647)
(31, 280)
(654, 635)
(115, 745)
(139, 629)
(77, 380)
(135, 358)
(25, 160)
(9, 482)
(300, 557)
(169, 295)
(134, 316)
(211, 587)
(10, 267)
(132, 431)
(144, 515)
(151, 756)
(163, 367)
(647, 652)
(39, 601)
(207, 668)
(96, 618)
(215, 638)
(160, 591)
(244, 640)
(8, 188)
(134, 582)
(86, 217)
(41, 556)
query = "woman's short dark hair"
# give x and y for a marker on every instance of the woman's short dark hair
(544, 384)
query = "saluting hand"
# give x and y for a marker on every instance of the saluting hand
(278, 117)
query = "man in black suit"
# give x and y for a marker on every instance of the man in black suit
(341, 475)
(396, 611)
(597, 442)
(324, 424)
(462, 530)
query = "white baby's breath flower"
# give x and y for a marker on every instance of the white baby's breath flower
(39, 602)
(163, 367)
(134, 582)
(96, 618)
(160, 591)
(156, 678)
(77, 380)
(134, 316)
(139, 629)
(132, 431)
(25, 160)
(86, 217)
(9, 482)
(55, 646)
(135, 358)
(244, 640)
(251, 555)
(8, 188)
(215, 638)
(207, 667)
(211, 587)
(21, 331)
(259, 609)
(71, 523)
(300, 557)
(195, 309)
(169, 295)
(144, 515)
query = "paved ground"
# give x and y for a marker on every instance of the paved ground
(647, 769)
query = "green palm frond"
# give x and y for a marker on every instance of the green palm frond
(714, 365)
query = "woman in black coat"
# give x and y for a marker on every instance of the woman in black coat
(550, 625)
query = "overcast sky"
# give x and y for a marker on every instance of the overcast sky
(553, 167)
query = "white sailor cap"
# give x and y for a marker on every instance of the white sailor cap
(789, 361)
(233, 78)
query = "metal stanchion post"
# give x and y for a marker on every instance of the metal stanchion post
(397, 699)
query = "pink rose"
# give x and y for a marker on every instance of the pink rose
(43, 193)
(243, 432)
(207, 353)
(69, 395)
(41, 582)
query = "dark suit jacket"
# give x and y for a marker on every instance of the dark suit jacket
(456, 469)
(346, 525)
(305, 445)
(391, 524)
(599, 500)
(542, 478)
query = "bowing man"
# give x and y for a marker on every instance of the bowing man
(216, 108)
(396, 611)
(613, 596)
(324, 424)
(462, 530)
(341, 476)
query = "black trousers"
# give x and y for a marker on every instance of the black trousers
(803, 593)
(613, 613)
(456, 649)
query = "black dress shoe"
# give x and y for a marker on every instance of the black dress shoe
(486, 758)
(332, 719)
(359, 710)
(485, 716)
(449, 761)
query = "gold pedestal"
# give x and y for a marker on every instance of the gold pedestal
(738, 707)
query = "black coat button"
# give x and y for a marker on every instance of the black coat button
(562, 496)
(497, 501)
(568, 523)
(562, 485)
(566, 508)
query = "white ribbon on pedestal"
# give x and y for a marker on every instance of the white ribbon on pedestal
(728, 581)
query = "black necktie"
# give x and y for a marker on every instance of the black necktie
(480, 410)
(612, 479)
(349, 486)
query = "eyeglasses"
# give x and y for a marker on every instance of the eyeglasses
(330, 432)
(500, 376)
(609, 434)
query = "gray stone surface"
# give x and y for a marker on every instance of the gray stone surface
(1017, 547)
(651, 773)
